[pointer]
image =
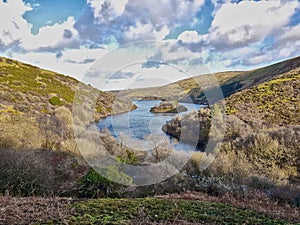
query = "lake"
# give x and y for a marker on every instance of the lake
(141, 122)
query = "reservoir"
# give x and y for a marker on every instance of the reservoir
(141, 123)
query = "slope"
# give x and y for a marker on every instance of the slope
(35, 101)
(229, 82)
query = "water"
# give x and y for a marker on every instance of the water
(141, 122)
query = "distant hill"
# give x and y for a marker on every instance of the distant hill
(174, 91)
(229, 82)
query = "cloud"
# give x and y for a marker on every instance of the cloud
(13, 28)
(141, 31)
(107, 10)
(132, 20)
(237, 35)
(172, 53)
(247, 34)
(235, 25)
(190, 37)
(58, 36)
(73, 62)
(15, 31)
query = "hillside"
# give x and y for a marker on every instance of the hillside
(263, 125)
(230, 82)
(35, 101)
(276, 101)
(29, 89)
(175, 90)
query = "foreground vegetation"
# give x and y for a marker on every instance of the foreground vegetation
(164, 210)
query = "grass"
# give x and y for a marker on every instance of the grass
(36, 90)
(275, 101)
(150, 211)
(184, 208)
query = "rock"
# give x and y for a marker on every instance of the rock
(185, 127)
(168, 107)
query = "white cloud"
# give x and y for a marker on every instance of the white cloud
(52, 37)
(83, 53)
(164, 12)
(249, 21)
(190, 37)
(13, 27)
(145, 77)
(71, 62)
(245, 34)
(16, 31)
(145, 32)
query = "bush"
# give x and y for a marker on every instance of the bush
(19, 132)
(55, 101)
(260, 183)
(38, 172)
(21, 174)
(99, 182)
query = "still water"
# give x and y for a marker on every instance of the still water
(141, 122)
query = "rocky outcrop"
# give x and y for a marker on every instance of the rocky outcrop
(192, 127)
(168, 107)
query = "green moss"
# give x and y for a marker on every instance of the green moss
(129, 211)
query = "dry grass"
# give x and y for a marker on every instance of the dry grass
(17, 210)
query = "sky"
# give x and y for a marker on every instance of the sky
(121, 44)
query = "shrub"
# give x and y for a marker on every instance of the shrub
(55, 101)
(39, 172)
(129, 157)
(99, 182)
(19, 132)
(260, 183)
(21, 173)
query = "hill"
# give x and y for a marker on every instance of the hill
(263, 125)
(35, 102)
(275, 101)
(174, 91)
(229, 82)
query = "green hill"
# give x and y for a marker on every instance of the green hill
(229, 82)
(174, 91)
(276, 101)
(30, 96)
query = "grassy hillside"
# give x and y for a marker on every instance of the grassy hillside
(229, 82)
(259, 76)
(175, 90)
(29, 89)
(34, 102)
(263, 125)
(276, 101)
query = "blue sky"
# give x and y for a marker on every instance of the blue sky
(70, 36)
